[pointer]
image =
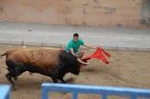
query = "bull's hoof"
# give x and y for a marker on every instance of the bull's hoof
(13, 88)
(64, 82)
(55, 80)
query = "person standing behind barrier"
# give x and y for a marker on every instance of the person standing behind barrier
(73, 46)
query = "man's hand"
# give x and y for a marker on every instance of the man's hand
(76, 55)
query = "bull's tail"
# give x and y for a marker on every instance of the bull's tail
(5, 53)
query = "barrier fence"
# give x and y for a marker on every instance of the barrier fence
(4, 91)
(103, 91)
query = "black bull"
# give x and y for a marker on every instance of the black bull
(49, 62)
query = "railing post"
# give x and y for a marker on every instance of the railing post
(44, 93)
(5, 91)
(104, 96)
(133, 96)
(75, 95)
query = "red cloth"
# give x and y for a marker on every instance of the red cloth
(99, 54)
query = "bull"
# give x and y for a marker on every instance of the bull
(54, 63)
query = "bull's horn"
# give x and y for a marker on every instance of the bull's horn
(82, 62)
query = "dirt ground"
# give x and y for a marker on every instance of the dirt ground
(126, 69)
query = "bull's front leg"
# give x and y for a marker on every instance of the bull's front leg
(62, 80)
(55, 75)
(55, 80)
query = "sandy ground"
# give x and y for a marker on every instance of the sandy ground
(126, 69)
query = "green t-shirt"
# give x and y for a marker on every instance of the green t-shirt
(74, 45)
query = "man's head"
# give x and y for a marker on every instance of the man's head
(75, 37)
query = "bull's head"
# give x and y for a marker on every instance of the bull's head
(70, 63)
(75, 69)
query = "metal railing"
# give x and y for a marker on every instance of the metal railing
(103, 91)
(5, 91)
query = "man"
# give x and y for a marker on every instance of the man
(74, 47)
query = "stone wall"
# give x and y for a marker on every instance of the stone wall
(102, 13)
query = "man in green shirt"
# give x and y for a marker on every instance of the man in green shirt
(74, 46)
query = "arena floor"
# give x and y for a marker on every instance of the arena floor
(126, 69)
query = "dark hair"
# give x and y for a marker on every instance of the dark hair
(75, 35)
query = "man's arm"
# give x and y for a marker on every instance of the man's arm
(89, 46)
(72, 52)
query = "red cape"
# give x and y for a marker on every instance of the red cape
(99, 54)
